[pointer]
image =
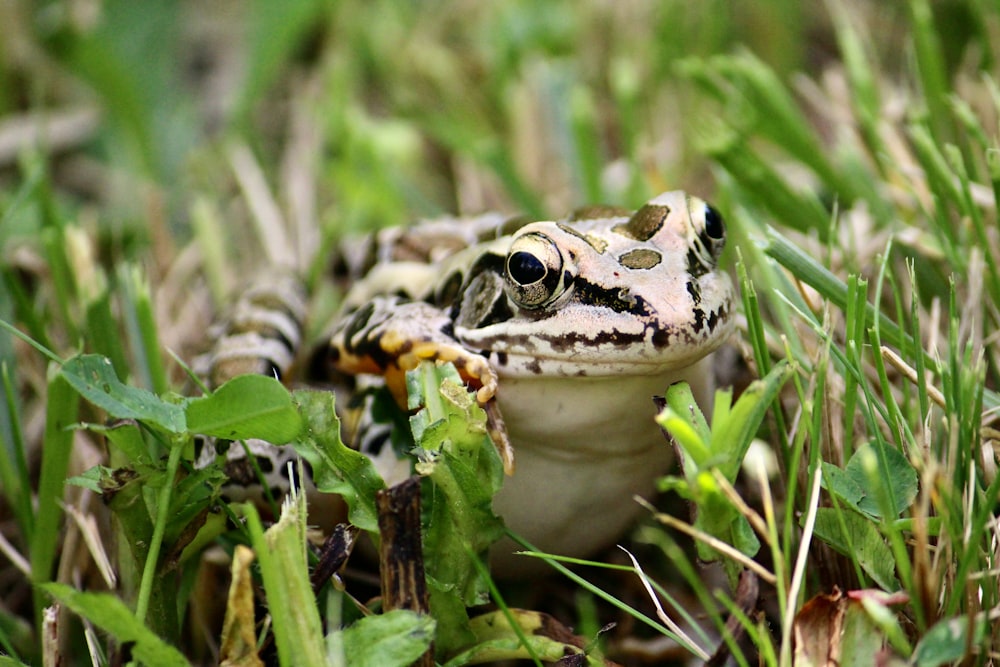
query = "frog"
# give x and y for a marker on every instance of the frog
(565, 329)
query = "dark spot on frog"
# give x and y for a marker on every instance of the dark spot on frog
(273, 369)
(661, 337)
(618, 299)
(696, 267)
(358, 321)
(716, 317)
(640, 258)
(283, 466)
(448, 329)
(502, 358)
(270, 303)
(266, 465)
(712, 320)
(222, 446)
(699, 319)
(371, 347)
(570, 340)
(240, 472)
(644, 223)
(695, 291)
(278, 335)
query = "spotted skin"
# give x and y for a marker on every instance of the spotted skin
(565, 329)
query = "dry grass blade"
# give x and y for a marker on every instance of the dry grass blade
(660, 612)
(910, 373)
(714, 543)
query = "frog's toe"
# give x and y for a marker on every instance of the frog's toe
(498, 434)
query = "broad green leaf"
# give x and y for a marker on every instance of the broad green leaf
(862, 541)
(248, 406)
(94, 378)
(393, 639)
(900, 478)
(336, 467)
(947, 641)
(110, 614)
(837, 481)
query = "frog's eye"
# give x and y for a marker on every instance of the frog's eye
(715, 226)
(713, 233)
(534, 271)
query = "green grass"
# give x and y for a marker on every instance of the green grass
(852, 149)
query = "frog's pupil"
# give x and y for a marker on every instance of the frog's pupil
(525, 268)
(714, 225)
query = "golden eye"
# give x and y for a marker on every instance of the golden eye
(534, 271)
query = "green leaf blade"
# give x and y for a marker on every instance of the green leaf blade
(393, 639)
(246, 407)
(861, 541)
(110, 614)
(93, 376)
(336, 467)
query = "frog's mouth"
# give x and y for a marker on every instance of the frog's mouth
(597, 360)
(599, 346)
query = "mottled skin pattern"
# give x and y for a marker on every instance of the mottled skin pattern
(566, 328)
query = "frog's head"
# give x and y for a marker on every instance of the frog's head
(604, 293)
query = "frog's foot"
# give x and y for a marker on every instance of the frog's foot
(390, 336)
(475, 371)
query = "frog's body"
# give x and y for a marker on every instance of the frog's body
(566, 329)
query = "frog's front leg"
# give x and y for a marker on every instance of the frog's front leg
(390, 335)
